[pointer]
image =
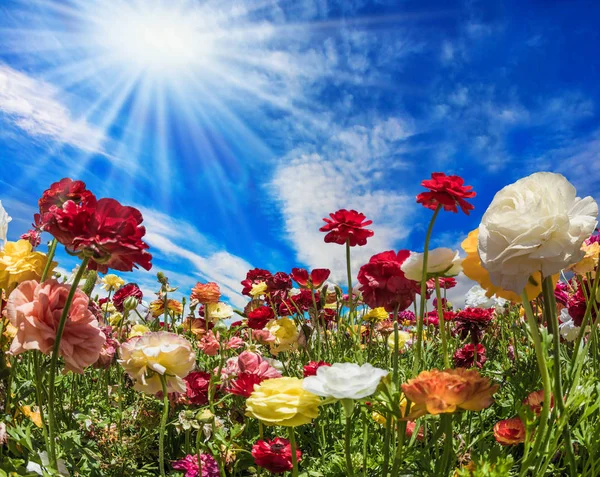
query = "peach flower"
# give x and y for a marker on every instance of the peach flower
(510, 431)
(35, 310)
(206, 293)
(437, 392)
(209, 344)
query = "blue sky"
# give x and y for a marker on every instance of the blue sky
(235, 126)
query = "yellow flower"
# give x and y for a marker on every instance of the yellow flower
(286, 334)
(473, 269)
(590, 261)
(35, 416)
(282, 402)
(157, 307)
(158, 353)
(111, 282)
(138, 330)
(376, 315)
(115, 319)
(403, 338)
(18, 263)
(378, 418)
(258, 289)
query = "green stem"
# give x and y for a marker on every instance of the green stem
(543, 368)
(49, 257)
(349, 272)
(38, 393)
(163, 425)
(420, 318)
(54, 363)
(442, 325)
(348, 409)
(293, 449)
(552, 318)
(448, 447)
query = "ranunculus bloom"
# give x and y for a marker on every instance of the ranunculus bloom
(437, 392)
(131, 289)
(157, 307)
(471, 322)
(258, 318)
(447, 191)
(310, 369)
(107, 232)
(35, 310)
(206, 293)
(476, 297)
(577, 304)
(189, 465)
(275, 455)
(244, 384)
(218, 311)
(278, 286)
(345, 381)
(465, 357)
(19, 263)
(254, 277)
(404, 338)
(282, 402)
(568, 329)
(249, 363)
(536, 224)
(146, 357)
(347, 225)
(376, 315)
(473, 269)
(383, 282)
(196, 387)
(263, 336)
(316, 278)
(209, 344)
(440, 261)
(4, 220)
(285, 332)
(510, 432)
(60, 192)
(108, 351)
(590, 261)
(561, 293)
(535, 401)
(112, 282)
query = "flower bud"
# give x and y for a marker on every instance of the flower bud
(205, 416)
(220, 327)
(130, 303)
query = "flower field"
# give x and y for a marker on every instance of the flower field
(378, 376)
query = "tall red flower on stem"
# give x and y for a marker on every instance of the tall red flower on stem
(107, 232)
(62, 191)
(316, 278)
(275, 455)
(347, 225)
(447, 191)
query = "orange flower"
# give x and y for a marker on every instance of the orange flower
(474, 270)
(157, 307)
(510, 432)
(206, 293)
(437, 392)
(535, 401)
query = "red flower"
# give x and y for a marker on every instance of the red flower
(472, 322)
(577, 305)
(244, 384)
(275, 455)
(315, 280)
(104, 230)
(257, 319)
(510, 431)
(447, 191)
(465, 356)
(310, 369)
(383, 281)
(347, 225)
(254, 277)
(189, 464)
(196, 384)
(131, 289)
(62, 191)
(278, 286)
(535, 401)
(432, 317)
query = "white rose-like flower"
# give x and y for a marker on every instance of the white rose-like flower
(476, 298)
(219, 311)
(536, 224)
(345, 381)
(443, 262)
(568, 329)
(4, 220)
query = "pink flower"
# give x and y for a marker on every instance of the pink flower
(35, 310)
(235, 343)
(209, 344)
(189, 464)
(263, 336)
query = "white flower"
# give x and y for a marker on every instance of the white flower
(476, 298)
(568, 330)
(278, 365)
(4, 220)
(345, 381)
(536, 224)
(219, 311)
(443, 262)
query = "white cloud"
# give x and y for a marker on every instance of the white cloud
(348, 172)
(35, 107)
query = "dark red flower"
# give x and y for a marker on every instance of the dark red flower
(34, 236)
(303, 301)
(383, 282)
(278, 286)
(471, 322)
(347, 225)
(189, 465)
(310, 369)
(62, 191)
(237, 324)
(447, 191)
(131, 289)
(107, 232)
(328, 315)
(577, 304)
(465, 356)
(275, 455)
(254, 277)
(257, 319)
(561, 293)
(316, 278)
(432, 317)
(243, 385)
(196, 384)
